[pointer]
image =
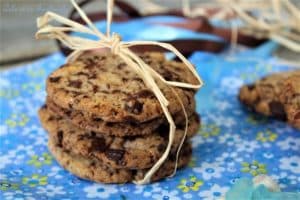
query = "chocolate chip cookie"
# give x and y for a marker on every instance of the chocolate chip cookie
(114, 128)
(94, 170)
(270, 95)
(290, 97)
(116, 152)
(104, 87)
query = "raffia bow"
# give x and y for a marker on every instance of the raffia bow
(120, 48)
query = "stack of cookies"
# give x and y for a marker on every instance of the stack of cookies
(105, 125)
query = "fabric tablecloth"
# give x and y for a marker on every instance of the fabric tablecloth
(231, 144)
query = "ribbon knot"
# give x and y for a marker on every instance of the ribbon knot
(115, 41)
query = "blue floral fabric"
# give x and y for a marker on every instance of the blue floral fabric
(231, 144)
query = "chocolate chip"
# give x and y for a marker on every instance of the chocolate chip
(98, 144)
(144, 94)
(51, 118)
(121, 65)
(44, 106)
(95, 88)
(138, 79)
(161, 147)
(60, 138)
(104, 91)
(93, 134)
(115, 154)
(297, 116)
(251, 87)
(82, 73)
(68, 112)
(75, 84)
(54, 79)
(277, 110)
(116, 91)
(97, 119)
(130, 120)
(124, 79)
(134, 106)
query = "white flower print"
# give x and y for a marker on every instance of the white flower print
(100, 191)
(3, 130)
(229, 139)
(214, 193)
(197, 140)
(222, 105)
(19, 153)
(4, 83)
(54, 172)
(229, 158)
(3, 176)
(147, 190)
(187, 196)
(166, 195)
(5, 160)
(291, 163)
(248, 146)
(289, 143)
(209, 170)
(231, 84)
(50, 190)
(27, 150)
(33, 131)
(18, 195)
(284, 179)
(223, 121)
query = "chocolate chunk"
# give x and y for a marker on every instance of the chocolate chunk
(297, 116)
(95, 88)
(75, 84)
(161, 147)
(51, 118)
(60, 138)
(130, 120)
(277, 110)
(138, 79)
(97, 119)
(98, 144)
(251, 87)
(121, 66)
(116, 91)
(144, 94)
(134, 106)
(54, 79)
(115, 154)
(68, 112)
(44, 106)
(82, 73)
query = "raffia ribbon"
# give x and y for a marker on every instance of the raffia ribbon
(120, 48)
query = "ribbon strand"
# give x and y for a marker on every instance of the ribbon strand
(120, 48)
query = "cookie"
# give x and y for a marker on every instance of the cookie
(263, 95)
(117, 152)
(116, 129)
(290, 97)
(95, 171)
(105, 87)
